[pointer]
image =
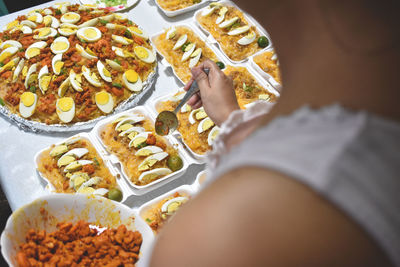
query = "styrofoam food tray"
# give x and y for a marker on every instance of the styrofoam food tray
(199, 34)
(251, 21)
(102, 153)
(174, 13)
(201, 179)
(71, 208)
(136, 189)
(265, 75)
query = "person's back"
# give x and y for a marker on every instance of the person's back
(268, 207)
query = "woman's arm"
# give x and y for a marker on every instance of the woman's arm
(257, 217)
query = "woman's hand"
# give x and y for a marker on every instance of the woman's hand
(217, 95)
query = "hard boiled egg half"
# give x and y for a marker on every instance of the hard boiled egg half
(44, 79)
(67, 29)
(34, 49)
(8, 52)
(70, 17)
(44, 33)
(144, 54)
(57, 64)
(59, 45)
(204, 125)
(138, 32)
(104, 101)
(91, 77)
(89, 34)
(27, 104)
(132, 81)
(104, 73)
(65, 108)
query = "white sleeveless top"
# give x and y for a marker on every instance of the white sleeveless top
(350, 158)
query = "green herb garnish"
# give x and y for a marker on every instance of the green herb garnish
(116, 60)
(130, 22)
(184, 46)
(58, 12)
(63, 71)
(2, 101)
(32, 89)
(118, 85)
(103, 21)
(148, 220)
(1, 64)
(142, 145)
(247, 88)
(96, 161)
(128, 33)
(21, 50)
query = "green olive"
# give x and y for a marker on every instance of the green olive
(174, 163)
(262, 42)
(115, 194)
(220, 65)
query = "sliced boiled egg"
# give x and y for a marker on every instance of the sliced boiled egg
(132, 81)
(228, 23)
(59, 45)
(10, 43)
(11, 25)
(186, 108)
(31, 70)
(77, 165)
(44, 33)
(78, 152)
(78, 179)
(44, 79)
(119, 51)
(67, 29)
(181, 41)
(65, 160)
(104, 73)
(47, 11)
(121, 39)
(208, 11)
(34, 49)
(114, 65)
(188, 51)
(170, 33)
(149, 162)
(212, 135)
(62, 7)
(148, 150)
(104, 101)
(86, 53)
(144, 54)
(63, 87)
(110, 17)
(265, 97)
(89, 23)
(70, 17)
(65, 108)
(24, 29)
(121, 16)
(58, 150)
(35, 17)
(27, 104)
(195, 58)
(221, 15)
(75, 80)
(197, 114)
(172, 205)
(248, 39)
(18, 69)
(132, 131)
(138, 32)
(92, 181)
(154, 174)
(51, 21)
(239, 30)
(10, 65)
(56, 63)
(139, 139)
(91, 77)
(113, 26)
(128, 120)
(204, 125)
(89, 34)
(28, 23)
(7, 53)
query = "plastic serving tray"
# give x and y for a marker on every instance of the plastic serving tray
(265, 75)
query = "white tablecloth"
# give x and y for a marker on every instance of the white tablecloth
(18, 177)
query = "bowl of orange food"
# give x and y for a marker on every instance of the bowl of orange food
(75, 229)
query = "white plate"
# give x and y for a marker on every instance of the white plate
(129, 4)
(71, 208)
(249, 19)
(142, 189)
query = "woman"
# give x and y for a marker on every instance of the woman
(311, 182)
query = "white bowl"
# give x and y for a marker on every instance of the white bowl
(71, 208)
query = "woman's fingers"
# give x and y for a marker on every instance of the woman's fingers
(194, 99)
(189, 83)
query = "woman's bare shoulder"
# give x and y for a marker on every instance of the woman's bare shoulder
(257, 217)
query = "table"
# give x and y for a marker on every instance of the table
(18, 178)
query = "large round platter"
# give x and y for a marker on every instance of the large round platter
(65, 67)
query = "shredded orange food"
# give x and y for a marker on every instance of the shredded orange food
(172, 5)
(80, 245)
(61, 180)
(119, 146)
(154, 216)
(268, 65)
(229, 44)
(174, 56)
(85, 104)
